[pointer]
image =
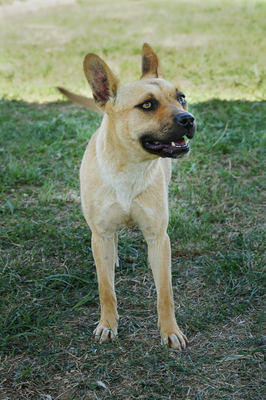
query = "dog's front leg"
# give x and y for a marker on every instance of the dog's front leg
(104, 253)
(160, 259)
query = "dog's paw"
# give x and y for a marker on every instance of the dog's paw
(174, 339)
(104, 334)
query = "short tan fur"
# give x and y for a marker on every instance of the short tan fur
(124, 179)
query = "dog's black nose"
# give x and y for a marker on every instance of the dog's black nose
(186, 120)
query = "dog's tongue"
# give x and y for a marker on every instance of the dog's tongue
(173, 147)
(180, 142)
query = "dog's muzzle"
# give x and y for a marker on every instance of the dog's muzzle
(174, 144)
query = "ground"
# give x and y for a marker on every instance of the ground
(48, 286)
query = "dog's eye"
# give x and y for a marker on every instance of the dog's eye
(182, 99)
(147, 104)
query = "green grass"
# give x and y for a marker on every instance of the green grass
(49, 302)
(209, 50)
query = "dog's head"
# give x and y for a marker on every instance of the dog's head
(150, 114)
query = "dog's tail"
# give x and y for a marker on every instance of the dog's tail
(86, 102)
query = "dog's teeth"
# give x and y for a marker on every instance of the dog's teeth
(173, 144)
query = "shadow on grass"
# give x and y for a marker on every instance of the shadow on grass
(48, 286)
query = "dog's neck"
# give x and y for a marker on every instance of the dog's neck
(119, 153)
(127, 173)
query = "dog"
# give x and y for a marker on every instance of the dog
(124, 178)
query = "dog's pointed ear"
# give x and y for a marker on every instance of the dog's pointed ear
(151, 67)
(102, 81)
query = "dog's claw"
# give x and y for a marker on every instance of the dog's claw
(176, 341)
(104, 334)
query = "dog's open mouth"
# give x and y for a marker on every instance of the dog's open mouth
(171, 149)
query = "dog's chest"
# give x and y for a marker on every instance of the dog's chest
(127, 188)
(128, 183)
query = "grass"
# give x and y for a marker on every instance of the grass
(208, 50)
(48, 285)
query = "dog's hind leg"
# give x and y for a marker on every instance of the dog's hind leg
(104, 253)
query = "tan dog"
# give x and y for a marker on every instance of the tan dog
(124, 178)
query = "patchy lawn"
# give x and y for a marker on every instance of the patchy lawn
(48, 286)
